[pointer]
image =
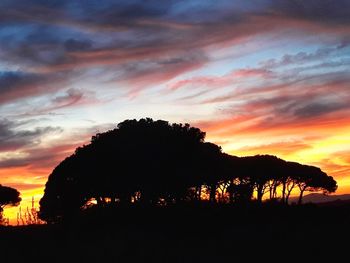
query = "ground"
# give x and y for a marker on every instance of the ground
(186, 234)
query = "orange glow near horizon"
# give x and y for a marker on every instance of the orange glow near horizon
(30, 185)
(258, 78)
(328, 148)
(328, 154)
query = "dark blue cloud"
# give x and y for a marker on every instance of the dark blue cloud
(10, 80)
(325, 11)
(16, 85)
(110, 12)
(13, 138)
(38, 36)
(41, 32)
(77, 45)
(317, 109)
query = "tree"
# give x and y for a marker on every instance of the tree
(261, 170)
(145, 161)
(8, 197)
(210, 167)
(158, 163)
(289, 179)
(311, 178)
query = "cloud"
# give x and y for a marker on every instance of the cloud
(321, 12)
(281, 98)
(77, 45)
(303, 100)
(338, 166)
(226, 58)
(57, 32)
(40, 157)
(15, 85)
(282, 109)
(299, 58)
(284, 148)
(34, 155)
(150, 73)
(144, 44)
(15, 82)
(72, 96)
(25, 186)
(317, 109)
(12, 138)
(234, 77)
(271, 98)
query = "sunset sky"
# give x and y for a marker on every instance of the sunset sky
(259, 76)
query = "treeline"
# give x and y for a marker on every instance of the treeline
(158, 163)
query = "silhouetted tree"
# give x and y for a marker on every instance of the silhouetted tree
(241, 190)
(261, 170)
(8, 197)
(311, 178)
(289, 179)
(154, 160)
(158, 163)
(210, 168)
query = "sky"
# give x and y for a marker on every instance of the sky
(259, 77)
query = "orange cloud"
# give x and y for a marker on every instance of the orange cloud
(280, 148)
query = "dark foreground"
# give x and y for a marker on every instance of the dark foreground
(186, 234)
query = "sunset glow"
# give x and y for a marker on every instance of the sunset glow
(259, 77)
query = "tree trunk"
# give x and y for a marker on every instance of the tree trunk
(289, 191)
(300, 200)
(287, 197)
(271, 191)
(274, 195)
(284, 192)
(231, 191)
(199, 192)
(212, 196)
(100, 201)
(260, 192)
(113, 200)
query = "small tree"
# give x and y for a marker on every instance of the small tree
(8, 196)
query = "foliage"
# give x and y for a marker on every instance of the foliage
(157, 163)
(8, 197)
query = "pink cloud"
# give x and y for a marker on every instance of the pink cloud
(211, 82)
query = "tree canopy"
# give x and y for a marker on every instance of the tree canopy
(158, 163)
(8, 197)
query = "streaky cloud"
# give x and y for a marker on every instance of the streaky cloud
(12, 138)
